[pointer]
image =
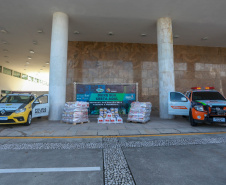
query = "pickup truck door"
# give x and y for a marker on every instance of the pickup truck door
(178, 104)
(40, 106)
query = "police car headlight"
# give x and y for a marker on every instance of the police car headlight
(199, 108)
(20, 110)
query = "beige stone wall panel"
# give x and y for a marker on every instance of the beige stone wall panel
(128, 63)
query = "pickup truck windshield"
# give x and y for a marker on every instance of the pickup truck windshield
(207, 96)
(16, 99)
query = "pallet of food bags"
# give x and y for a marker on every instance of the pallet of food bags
(75, 112)
(109, 116)
(139, 112)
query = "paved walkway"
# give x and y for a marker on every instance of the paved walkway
(43, 127)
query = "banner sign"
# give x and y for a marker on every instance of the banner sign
(106, 96)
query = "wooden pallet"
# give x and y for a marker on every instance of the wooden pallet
(76, 123)
(138, 122)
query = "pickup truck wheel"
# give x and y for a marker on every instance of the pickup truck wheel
(192, 121)
(28, 123)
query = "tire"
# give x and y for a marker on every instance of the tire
(28, 123)
(192, 121)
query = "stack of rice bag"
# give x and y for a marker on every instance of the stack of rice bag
(75, 112)
(140, 112)
(109, 116)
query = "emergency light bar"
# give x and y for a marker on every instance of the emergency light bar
(199, 88)
(208, 88)
(196, 88)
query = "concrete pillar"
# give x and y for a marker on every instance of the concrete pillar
(58, 65)
(165, 64)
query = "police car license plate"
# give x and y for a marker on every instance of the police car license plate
(219, 119)
(3, 118)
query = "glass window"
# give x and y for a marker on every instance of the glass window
(7, 71)
(0, 69)
(30, 78)
(176, 97)
(16, 74)
(16, 99)
(208, 95)
(24, 76)
(188, 94)
(43, 99)
(35, 80)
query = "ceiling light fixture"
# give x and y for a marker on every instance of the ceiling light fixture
(176, 36)
(110, 33)
(47, 62)
(76, 32)
(143, 34)
(41, 69)
(40, 31)
(29, 58)
(27, 62)
(6, 56)
(43, 66)
(35, 42)
(4, 42)
(3, 31)
(205, 38)
(31, 51)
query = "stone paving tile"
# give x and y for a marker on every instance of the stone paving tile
(108, 132)
(187, 130)
(168, 131)
(134, 127)
(149, 131)
(64, 133)
(129, 132)
(98, 127)
(163, 126)
(210, 129)
(116, 127)
(75, 128)
(86, 132)
(5, 133)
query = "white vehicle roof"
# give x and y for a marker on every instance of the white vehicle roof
(20, 95)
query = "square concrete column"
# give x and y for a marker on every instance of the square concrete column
(165, 64)
(58, 65)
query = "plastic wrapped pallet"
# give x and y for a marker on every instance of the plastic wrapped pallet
(75, 112)
(109, 116)
(140, 112)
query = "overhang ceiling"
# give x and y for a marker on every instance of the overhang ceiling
(127, 19)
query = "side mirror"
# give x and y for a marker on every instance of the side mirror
(184, 99)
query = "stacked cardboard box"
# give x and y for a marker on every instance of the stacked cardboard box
(109, 116)
(75, 112)
(140, 112)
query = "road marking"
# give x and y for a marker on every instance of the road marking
(76, 137)
(67, 169)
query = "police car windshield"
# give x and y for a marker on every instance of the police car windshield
(15, 99)
(207, 96)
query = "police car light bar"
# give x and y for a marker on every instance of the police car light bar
(196, 88)
(199, 88)
(208, 88)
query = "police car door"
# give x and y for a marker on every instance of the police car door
(40, 106)
(178, 104)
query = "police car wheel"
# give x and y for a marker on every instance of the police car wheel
(192, 121)
(28, 120)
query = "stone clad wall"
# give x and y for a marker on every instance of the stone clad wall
(130, 63)
(200, 66)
